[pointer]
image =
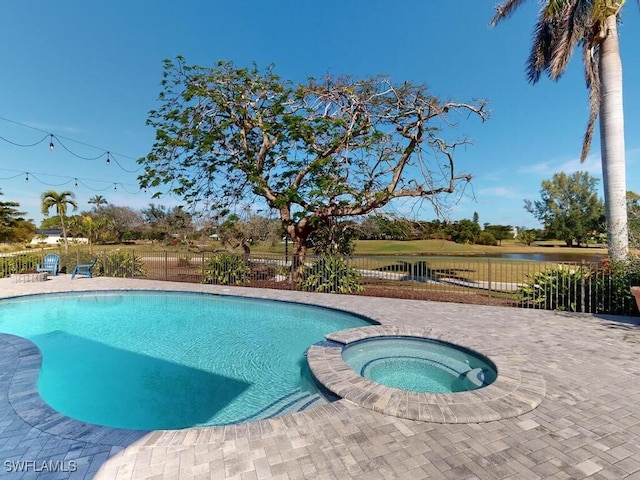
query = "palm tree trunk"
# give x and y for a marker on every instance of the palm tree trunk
(64, 235)
(612, 143)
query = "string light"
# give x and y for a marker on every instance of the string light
(77, 182)
(56, 140)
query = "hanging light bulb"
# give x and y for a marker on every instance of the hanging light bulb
(51, 145)
(115, 186)
(108, 159)
(26, 179)
(76, 181)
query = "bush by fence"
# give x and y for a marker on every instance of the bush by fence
(591, 287)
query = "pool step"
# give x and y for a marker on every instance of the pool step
(295, 401)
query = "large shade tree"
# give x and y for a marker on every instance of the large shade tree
(591, 24)
(569, 207)
(61, 202)
(326, 149)
(13, 226)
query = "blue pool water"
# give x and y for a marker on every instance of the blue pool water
(420, 365)
(162, 360)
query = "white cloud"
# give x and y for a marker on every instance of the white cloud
(502, 192)
(542, 168)
(591, 165)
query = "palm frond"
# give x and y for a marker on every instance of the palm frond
(504, 10)
(590, 54)
(541, 47)
(572, 21)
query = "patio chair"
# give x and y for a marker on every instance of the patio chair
(84, 269)
(49, 264)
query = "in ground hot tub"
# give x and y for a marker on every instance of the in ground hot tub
(419, 364)
(426, 374)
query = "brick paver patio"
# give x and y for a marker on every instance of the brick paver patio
(587, 425)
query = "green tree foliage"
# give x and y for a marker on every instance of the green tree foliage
(527, 235)
(234, 233)
(633, 208)
(500, 232)
(335, 238)
(334, 147)
(486, 238)
(168, 223)
(89, 226)
(569, 207)
(61, 202)
(464, 231)
(98, 201)
(13, 226)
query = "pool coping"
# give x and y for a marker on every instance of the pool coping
(518, 389)
(29, 405)
(26, 402)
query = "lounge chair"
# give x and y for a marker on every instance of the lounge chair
(84, 269)
(49, 264)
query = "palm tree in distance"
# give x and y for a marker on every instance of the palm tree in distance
(592, 24)
(60, 201)
(98, 201)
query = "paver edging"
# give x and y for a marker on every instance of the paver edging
(515, 391)
(29, 405)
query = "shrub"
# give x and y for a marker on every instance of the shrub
(486, 238)
(119, 263)
(556, 288)
(605, 288)
(618, 278)
(18, 264)
(225, 269)
(331, 274)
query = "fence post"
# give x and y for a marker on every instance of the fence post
(166, 265)
(582, 297)
(245, 263)
(489, 276)
(411, 277)
(203, 267)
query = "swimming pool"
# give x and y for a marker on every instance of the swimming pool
(166, 360)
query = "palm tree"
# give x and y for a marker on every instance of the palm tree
(592, 24)
(60, 201)
(98, 201)
(91, 227)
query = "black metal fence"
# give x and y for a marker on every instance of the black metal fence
(582, 287)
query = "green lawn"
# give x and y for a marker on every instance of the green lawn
(443, 247)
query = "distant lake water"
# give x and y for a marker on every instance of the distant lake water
(550, 257)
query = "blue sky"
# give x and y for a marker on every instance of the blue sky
(89, 73)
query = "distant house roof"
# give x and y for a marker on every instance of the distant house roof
(51, 231)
